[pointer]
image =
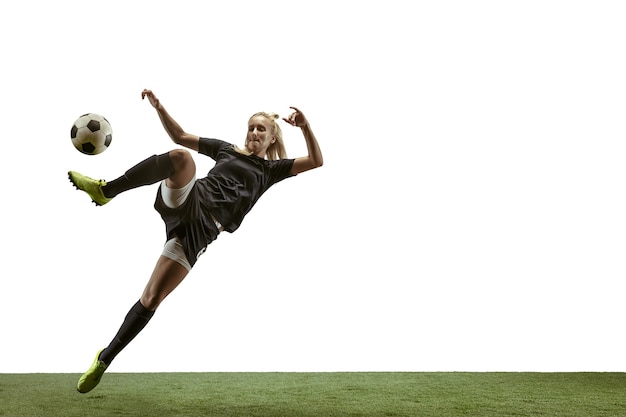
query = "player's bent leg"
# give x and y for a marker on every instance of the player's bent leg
(92, 377)
(149, 171)
(92, 187)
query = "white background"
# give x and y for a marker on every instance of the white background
(470, 215)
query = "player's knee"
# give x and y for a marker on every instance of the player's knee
(150, 300)
(183, 168)
(181, 158)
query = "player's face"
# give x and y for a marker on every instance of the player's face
(259, 136)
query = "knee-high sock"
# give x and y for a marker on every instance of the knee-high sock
(148, 171)
(135, 321)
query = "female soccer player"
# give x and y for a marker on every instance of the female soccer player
(194, 210)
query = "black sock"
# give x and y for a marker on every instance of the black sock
(148, 171)
(135, 321)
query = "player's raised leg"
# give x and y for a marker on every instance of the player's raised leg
(177, 166)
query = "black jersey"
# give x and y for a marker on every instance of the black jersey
(227, 193)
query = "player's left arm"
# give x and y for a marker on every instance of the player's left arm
(314, 158)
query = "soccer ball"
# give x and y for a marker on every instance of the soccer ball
(91, 134)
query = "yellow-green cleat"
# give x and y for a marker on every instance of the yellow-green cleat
(91, 378)
(92, 187)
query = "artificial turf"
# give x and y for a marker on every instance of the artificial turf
(415, 394)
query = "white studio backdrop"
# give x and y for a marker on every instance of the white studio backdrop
(469, 215)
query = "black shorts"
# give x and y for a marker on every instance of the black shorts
(190, 222)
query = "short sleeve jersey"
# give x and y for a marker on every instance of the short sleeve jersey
(227, 193)
(235, 183)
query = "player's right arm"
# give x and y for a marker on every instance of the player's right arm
(178, 135)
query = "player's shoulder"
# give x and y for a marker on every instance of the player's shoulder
(213, 142)
(212, 146)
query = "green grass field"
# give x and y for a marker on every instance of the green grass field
(318, 394)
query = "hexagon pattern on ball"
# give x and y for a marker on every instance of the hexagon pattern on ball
(91, 134)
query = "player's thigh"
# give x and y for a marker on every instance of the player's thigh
(166, 276)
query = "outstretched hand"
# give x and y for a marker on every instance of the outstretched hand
(296, 118)
(151, 97)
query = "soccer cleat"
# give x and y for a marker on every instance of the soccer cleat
(91, 378)
(90, 186)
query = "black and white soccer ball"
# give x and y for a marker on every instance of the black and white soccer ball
(91, 134)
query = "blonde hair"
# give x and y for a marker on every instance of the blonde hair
(277, 149)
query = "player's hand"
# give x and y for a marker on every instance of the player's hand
(151, 97)
(296, 118)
